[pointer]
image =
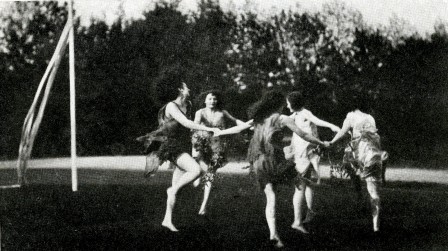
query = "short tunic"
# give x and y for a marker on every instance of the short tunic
(364, 152)
(266, 152)
(178, 140)
(212, 150)
(305, 153)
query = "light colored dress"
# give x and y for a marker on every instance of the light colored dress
(364, 153)
(305, 153)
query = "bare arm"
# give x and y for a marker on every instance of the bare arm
(345, 127)
(197, 116)
(177, 114)
(322, 123)
(288, 122)
(230, 117)
(236, 129)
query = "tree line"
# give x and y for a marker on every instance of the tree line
(329, 56)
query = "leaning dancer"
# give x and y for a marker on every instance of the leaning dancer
(306, 157)
(210, 151)
(363, 156)
(266, 151)
(177, 146)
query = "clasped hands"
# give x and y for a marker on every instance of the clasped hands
(216, 132)
(326, 144)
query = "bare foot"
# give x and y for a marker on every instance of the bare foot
(170, 226)
(309, 216)
(202, 212)
(300, 228)
(278, 242)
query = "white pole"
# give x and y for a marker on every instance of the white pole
(72, 98)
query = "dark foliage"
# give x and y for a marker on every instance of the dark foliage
(118, 66)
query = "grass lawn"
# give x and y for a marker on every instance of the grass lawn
(120, 210)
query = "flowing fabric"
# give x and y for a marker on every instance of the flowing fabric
(364, 153)
(170, 140)
(305, 153)
(266, 153)
(178, 137)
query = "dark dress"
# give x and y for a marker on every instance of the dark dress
(208, 148)
(266, 153)
(178, 140)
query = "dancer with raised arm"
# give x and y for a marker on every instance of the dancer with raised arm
(363, 155)
(175, 125)
(306, 157)
(210, 151)
(266, 151)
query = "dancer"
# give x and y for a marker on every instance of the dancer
(176, 148)
(306, 157)
(266, 151)
(363, 156)
(210, 151)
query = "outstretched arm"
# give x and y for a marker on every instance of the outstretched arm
(288, 122)
(342, 132)
(230, 117)
(177, 114)
(322, 123)
(236, 129)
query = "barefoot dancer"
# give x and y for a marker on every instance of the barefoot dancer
(177, 146)
(363, 154)
(306, 157)
(266, 151)
(209, 150)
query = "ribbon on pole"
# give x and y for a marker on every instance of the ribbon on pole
(32, 121)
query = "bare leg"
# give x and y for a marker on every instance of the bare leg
(270, 214)
(207, 189)
(315, 163)
(309, 197)
(204, 167)
(373, 189)
(190, 170)
(298, 200)
(309, 191)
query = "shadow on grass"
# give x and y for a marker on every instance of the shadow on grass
(120, 210)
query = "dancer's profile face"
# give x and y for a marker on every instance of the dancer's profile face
(211, 101)
(184, 91)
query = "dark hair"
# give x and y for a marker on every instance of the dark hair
(166, 86)
(269, 103)
(200, 100)
(361, 101)
(296, 100)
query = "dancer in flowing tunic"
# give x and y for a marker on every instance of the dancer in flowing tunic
(174, 129)
(364, 155)
(306, 157)
(266, 151)
(208, 150)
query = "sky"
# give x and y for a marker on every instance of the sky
(422, 14)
